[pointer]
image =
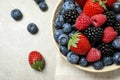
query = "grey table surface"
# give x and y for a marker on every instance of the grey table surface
(16, 43)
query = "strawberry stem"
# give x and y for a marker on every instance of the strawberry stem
(93, 0)
(101, 3)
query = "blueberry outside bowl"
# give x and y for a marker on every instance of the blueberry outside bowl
(88, 69)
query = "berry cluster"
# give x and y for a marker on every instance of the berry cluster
(88, 32)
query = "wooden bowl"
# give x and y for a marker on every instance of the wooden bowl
(90, 68)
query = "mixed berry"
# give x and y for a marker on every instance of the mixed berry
(88, 32)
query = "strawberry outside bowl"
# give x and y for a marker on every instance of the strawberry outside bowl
(89, 68)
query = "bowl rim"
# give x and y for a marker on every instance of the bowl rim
(106, 69)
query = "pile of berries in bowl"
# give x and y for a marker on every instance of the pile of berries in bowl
(87, 33)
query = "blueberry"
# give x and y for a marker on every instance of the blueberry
(116, 43)
(61, 11)
(43, 6)
(73, 58)
(57, 33)
(116, 7)
(67, 28)
(83, 62)
(74, 27)
(58, 22)
(32, 28)
(78, 9)
(118, 17)
(39, 1)
(64, 50)
(16, 14)
(63, 39)
(107, 61)
(70, 35)
(68, 5)
(70, 0)
(116, 58)
(98, 65)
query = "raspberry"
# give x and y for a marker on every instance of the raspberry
(94, 55)
(82, 22)
(109, 35)
(98, 20)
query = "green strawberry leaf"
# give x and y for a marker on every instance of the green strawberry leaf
(75, 35)
(102, 3)
(74, 40)
(93, 0)
(71, 43)
(38, 65)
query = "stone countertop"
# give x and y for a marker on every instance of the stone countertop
(16, 43)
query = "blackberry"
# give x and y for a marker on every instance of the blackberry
(70, 16)
(117, 27)
(111, 18)
(94, 34)
(106, 49)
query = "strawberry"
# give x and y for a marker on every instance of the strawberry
(93, 55)
(93, 7)
(36, 60)
(98, 20)
(82, 22)
(110, 2)
(109, 35)
(79, 44)
(81, 3)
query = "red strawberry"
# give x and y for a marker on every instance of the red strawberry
(36, 60)
(93, 7)
(79, 44)
(110, 2)
(98, 20)
(109, 35)
(81, 3)
(94, 55)
(82, 22)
